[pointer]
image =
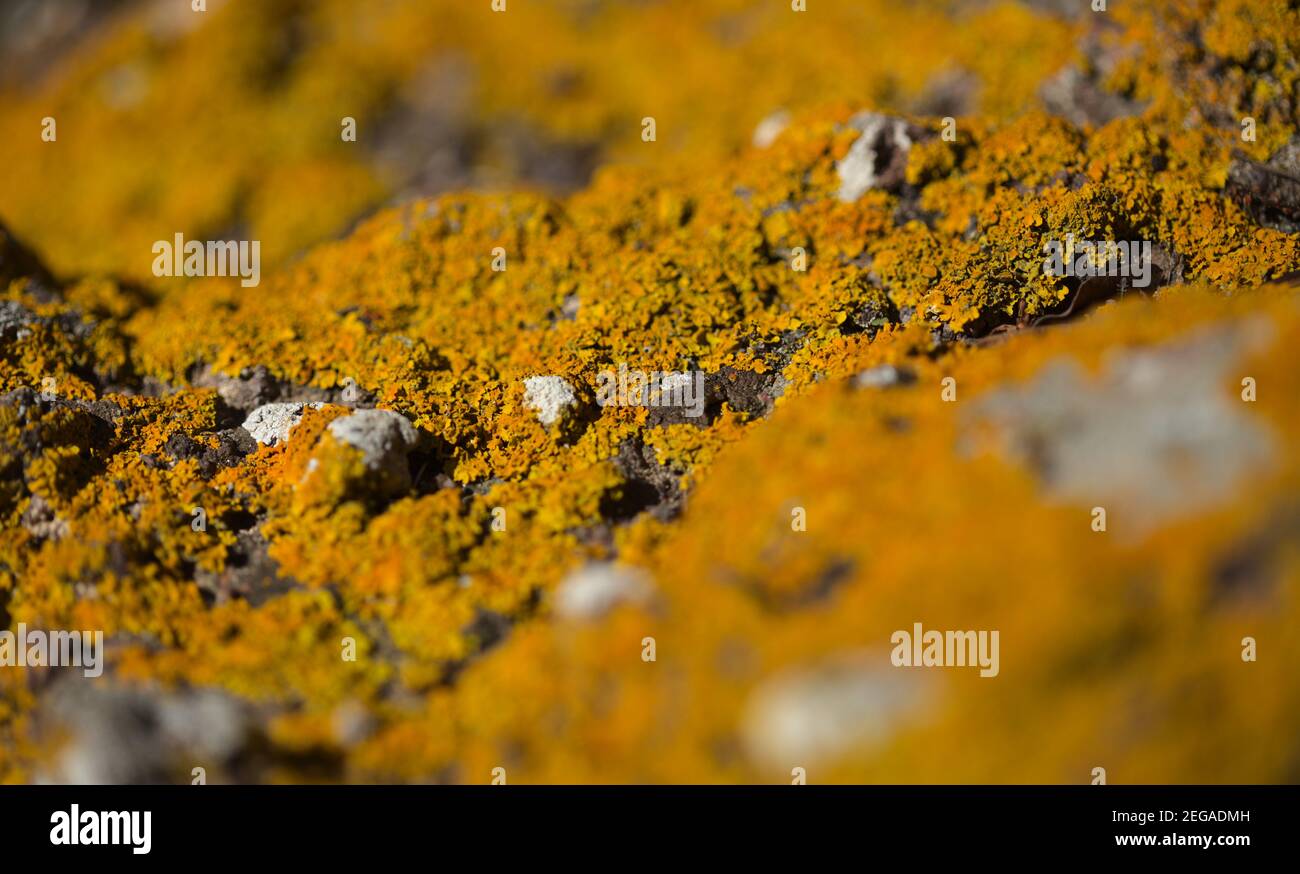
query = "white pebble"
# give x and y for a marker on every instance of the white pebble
(595, 589)
(550, 396)
(269, 424)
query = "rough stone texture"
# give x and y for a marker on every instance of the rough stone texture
(235, 444)
(250, 573)
(384, 438)
(41, 520)
(1269, 192)
(14, 319)
(270, 424)
(648, 486)
(878, 158)
(253, 388)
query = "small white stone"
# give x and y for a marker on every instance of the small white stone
(595, 589)
(384, 438)
(550, 396)
(882, 376)
(269, 424)
(17, 319)
(379, 434)
(14, 315)
(857, 171)
(770, 128)
(850, 704)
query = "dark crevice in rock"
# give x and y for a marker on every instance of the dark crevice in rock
(1269, 192)
(250, 572)
(745, 391)
(647, 487)
(488, 630)
(235, 444)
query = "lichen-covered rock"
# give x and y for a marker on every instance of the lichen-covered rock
(1155, 435)
(905, 417)
(14, 319)
(270, 424)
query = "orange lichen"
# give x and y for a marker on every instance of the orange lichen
(372, 627)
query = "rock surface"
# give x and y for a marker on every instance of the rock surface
(905, 418)
(384, 438)
(270, 424)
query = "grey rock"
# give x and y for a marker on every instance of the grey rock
(270, 424)
(130, 735)
(878, 158)
(1269, 192)
(15, 320)
(384, 438)
(41, 521)
(771, 127)
(1159, 434)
